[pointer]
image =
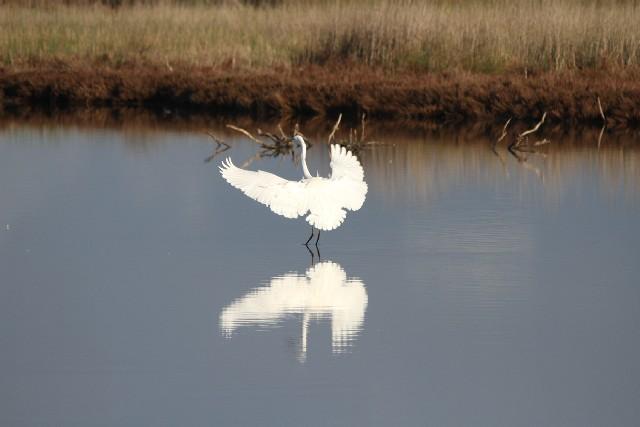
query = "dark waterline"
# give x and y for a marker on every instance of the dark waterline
(138, 288)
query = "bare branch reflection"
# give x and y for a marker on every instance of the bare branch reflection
(221, 147)
(425, 164)
(428, 167)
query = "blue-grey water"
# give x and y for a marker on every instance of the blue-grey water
(137, 288)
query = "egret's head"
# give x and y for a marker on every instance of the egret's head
(298, 140)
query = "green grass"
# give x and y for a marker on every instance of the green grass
(481, 36)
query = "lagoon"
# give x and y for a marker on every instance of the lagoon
(138, 288)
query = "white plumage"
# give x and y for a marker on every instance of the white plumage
(324, 291)
(326, 200)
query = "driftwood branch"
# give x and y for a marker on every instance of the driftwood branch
(504, 133)
(355, 140)
(534, 129)
(276, 139)
(282, 134)
(520, 146)
(272, 145)
(604, 123)
(504, 129)
(335, 128)
(604, 118)
(278, 144)
(522, 140)
(245, 133)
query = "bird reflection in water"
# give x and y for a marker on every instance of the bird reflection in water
(323, 292)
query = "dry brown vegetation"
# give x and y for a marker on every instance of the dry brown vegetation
(443, 60)
(473, 35)
(566, 97)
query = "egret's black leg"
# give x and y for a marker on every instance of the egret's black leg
(310, 237)
(312, 255)
(318, 239)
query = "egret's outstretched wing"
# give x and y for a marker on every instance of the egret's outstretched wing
(286, 198)
(328, 199)
(347, 175)
(344, 164)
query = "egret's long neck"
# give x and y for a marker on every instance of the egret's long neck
(305, 169)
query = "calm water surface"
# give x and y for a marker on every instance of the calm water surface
(138, 289)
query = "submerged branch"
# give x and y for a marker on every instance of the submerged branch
(335, 128)
(245, 133)
(521, 142)
(604, 123)
(534, 129)
(604, 118)
(355, 141)
(504, 133)
(278, 143)
(276, 139)
(521, 145)
(282, 135)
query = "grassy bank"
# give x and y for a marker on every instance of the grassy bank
(477, 36)
(566, 96)
(444, 60)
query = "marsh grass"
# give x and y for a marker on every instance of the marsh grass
(481, 36)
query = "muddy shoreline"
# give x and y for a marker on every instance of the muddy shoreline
(568, 98)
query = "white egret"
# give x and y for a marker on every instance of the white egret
(324, 199)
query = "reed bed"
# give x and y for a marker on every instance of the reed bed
(478, 36)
